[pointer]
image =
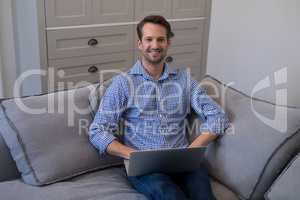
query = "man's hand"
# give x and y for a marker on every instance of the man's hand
(117, 149)
(203, 139)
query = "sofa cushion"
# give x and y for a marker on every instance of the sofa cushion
(248, 157)
(287, 185)
(221, 192)
(51, 144)
(107, 184)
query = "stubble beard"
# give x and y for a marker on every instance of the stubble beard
(148, 58)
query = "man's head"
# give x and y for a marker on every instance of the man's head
(154, 34)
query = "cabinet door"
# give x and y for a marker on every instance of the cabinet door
(112, 11)
(189, 8)
(68, 12)
(153, 7)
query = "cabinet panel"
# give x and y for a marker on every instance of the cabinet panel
(187, 57)
(111, 11)
(89, 41)
(67, 13)
(153, 7)
(189, 8)
(80, 71)
(188, 32)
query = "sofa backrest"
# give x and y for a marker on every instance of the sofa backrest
(254, 150)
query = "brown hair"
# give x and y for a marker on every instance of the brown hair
(154, 19)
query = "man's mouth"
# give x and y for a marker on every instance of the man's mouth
(155, 53)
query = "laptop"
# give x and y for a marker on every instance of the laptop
(164, 161)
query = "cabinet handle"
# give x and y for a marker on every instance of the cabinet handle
(93, 69)
(92, 42)
(169, 59)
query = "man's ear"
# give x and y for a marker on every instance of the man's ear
(139, 44)
(169, 42)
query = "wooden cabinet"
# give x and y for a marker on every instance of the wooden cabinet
(77, 39)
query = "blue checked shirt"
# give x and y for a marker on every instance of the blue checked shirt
(153, 111)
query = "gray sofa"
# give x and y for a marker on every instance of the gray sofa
(47, 155)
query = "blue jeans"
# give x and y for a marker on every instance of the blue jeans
(180, 186)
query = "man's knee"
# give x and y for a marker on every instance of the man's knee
(159, 183)
(159, 186)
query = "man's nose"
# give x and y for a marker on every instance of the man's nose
(155, 44)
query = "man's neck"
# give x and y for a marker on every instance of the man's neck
(155, 71)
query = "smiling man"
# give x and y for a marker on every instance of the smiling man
(154, 101)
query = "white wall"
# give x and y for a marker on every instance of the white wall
(1, 77)
(251, 39)
(12, 21)
(27, 44)
(7, 48)
(1, 66)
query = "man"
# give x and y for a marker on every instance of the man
(154, 101)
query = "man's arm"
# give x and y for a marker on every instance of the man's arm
(106, 121)
(213, 117)
(118, 149)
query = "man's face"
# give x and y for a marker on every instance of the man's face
(154, 43)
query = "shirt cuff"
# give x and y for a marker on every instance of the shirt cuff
(101, 141)
(215, 125)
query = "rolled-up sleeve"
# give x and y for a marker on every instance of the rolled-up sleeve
(106, 121)
(211, 114)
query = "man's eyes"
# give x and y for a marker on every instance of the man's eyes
(159, 39)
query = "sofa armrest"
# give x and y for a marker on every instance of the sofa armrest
(287, 185)
(8, 169)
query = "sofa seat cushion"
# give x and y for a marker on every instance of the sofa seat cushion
(108, 184)
(221, 192)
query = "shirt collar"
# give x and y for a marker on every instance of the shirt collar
(138, 69)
